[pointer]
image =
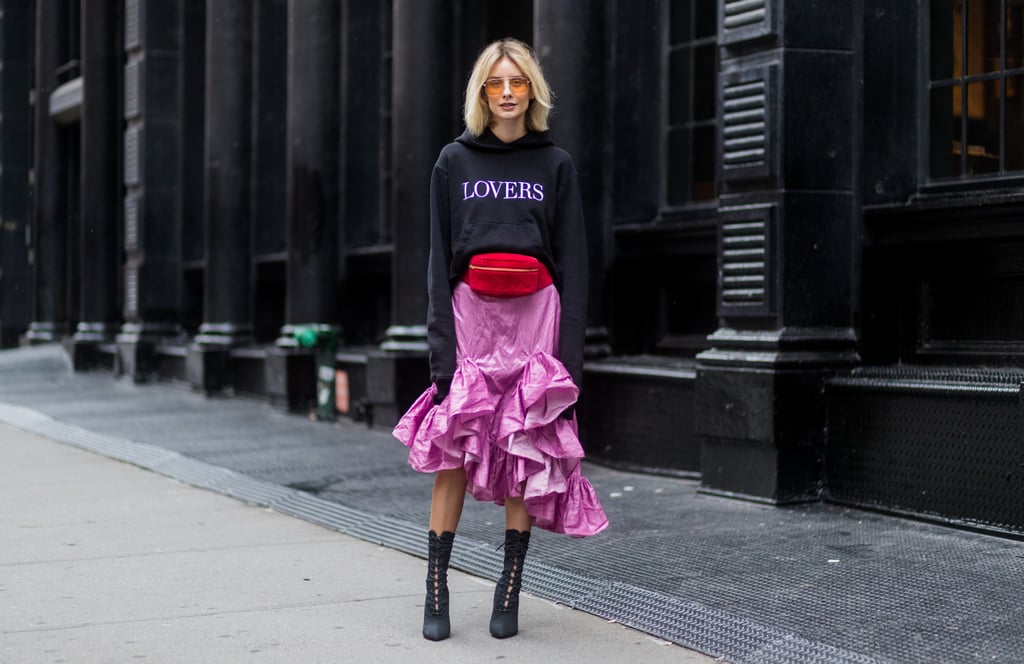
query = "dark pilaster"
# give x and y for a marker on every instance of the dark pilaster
(312, 190)
(48, 248)
(227, 319)
(570, 41)
(366, 118)
(269, 132)
(789, 217)
(313, 153)
(152, 181)
(423, 122)
(425, 106)
(227, 308)
(16, 155)
(101, 206)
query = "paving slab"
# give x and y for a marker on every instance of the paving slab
(737, 580)
(106, 562)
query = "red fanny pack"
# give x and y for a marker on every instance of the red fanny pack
(506, 275)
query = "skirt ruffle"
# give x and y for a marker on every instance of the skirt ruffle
(511, 440)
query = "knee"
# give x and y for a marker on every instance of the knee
(450, 478)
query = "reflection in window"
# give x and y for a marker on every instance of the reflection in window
(977, 66)
(692, 70)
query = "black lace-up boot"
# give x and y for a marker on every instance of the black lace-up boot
(505, 617)
(436, 625)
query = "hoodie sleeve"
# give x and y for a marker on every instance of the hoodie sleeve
(569, 248)
(440, 318)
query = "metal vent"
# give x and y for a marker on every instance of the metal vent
(938, 443)
(744, 121)
(132, 82)
(132, 144)
(132, 34)
(746, 20)
(743, 262)
(742, 13)
(131, 224)
(131, 290)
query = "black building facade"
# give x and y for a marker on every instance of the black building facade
(805, 219)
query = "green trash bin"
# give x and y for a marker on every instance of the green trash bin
(323, 338)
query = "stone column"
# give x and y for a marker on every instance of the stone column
(313, 154)
(227, 137)
(312, 191)
(425, 103)
(227, 319)
(152, 182)
(789, 216)
(267, 187)
(49, 234)
(569, 39)
(100, 206)
(15, 203)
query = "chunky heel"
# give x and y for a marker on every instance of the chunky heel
(505, 616)
(436, 624)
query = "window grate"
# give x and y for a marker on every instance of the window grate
(974, 90)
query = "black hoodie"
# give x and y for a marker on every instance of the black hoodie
(520, 197)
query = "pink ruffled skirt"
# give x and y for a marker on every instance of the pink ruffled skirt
(501, 419)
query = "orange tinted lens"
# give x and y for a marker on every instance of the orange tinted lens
(496, 86)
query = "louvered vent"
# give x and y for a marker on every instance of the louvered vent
(744, 249)
(742, 13)
(131, 224)
(132, 90)
(744, 121)
(132, 23)
(132, 145)
(131, 290)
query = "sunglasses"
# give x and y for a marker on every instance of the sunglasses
(495, 86)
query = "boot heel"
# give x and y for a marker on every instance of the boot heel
(436, 623)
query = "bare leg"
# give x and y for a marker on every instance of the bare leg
(516, 516)
(447, 500)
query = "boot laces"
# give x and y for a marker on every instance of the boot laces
(437, 580)
(511, 576)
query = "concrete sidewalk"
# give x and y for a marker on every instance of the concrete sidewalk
(749, 583)
(102, 561)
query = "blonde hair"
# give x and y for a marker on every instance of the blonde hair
(477, 113)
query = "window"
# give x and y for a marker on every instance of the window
(691, 92)
(977, 89)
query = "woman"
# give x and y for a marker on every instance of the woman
(507, 296)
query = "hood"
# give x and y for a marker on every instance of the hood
(490, 143)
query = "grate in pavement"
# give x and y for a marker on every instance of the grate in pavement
(688, 624)
(814, 583)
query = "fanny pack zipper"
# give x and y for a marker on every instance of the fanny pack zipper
(503, 269)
